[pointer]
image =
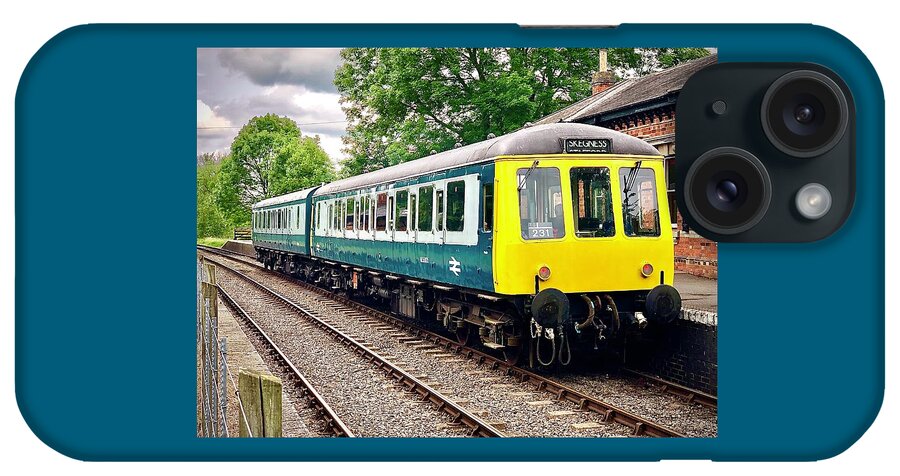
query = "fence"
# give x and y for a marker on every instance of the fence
(258, 395)
(212, 352)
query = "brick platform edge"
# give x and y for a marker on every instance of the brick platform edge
(685, 352)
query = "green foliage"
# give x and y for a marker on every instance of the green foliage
(404, 103)
(210, 219)
(300, 164)
(268, 157)
(634, 62)
(211, 241)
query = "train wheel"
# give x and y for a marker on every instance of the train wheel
(464, 334)
(512, 355)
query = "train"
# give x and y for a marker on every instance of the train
(549, 242)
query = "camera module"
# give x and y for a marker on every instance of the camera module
(727, 190)
(804, 113)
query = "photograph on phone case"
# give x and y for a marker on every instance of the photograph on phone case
(449, 242)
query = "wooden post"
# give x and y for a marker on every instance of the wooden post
(261, 400)
(251, 401)
(211, 273)
(270, 387)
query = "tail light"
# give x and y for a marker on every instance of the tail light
(647, 270)
(544, 273)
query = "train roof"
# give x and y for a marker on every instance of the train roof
(289, 197)
(534, 140)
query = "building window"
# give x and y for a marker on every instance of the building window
(426, 207)
(456, 205)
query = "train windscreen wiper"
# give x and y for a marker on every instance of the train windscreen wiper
(527, 174)
(632, 176)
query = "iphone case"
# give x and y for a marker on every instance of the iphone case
(105, 280)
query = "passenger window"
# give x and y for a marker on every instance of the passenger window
(349, 215)
(402, 210)
(440, 210)
(426, 207)
(456, 205)
(540, 203)
(487, 198)
(381, 212)
(412, 211)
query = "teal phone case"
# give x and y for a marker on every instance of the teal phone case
(105, 221)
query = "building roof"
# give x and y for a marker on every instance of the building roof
(536, 140)
(286, 198)
(631, 92)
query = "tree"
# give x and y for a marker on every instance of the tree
(301, 164)
(404, 103)
(253, 153)
(210, 219)
(268, 157)
(635, 62)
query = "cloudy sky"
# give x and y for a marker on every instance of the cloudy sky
(234, 85)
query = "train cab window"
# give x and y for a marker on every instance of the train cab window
(426, 207)
(540, 203)
(640, 208)
(402, 210)
(456, 205)
(592, 202)
(348, 225)
(440, 211)
(381, 212)
(487, 198)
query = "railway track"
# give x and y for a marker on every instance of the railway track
(314, 400)
(685, 393)
(637, 425)
(458, 415)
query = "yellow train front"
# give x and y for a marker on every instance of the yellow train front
(585, 235)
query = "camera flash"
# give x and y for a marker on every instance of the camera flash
(813, 201)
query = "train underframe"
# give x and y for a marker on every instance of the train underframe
(541, 331)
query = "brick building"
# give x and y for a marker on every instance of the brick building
(645, 107)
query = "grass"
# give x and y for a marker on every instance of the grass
(212, 241)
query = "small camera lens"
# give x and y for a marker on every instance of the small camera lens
(804, 113)
(727, 190)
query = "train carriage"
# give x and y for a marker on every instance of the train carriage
(550, 238)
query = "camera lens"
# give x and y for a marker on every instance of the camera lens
(727, 190)
(804, 113)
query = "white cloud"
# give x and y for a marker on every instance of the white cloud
(207, 117)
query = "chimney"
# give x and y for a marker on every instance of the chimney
(604, 78)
